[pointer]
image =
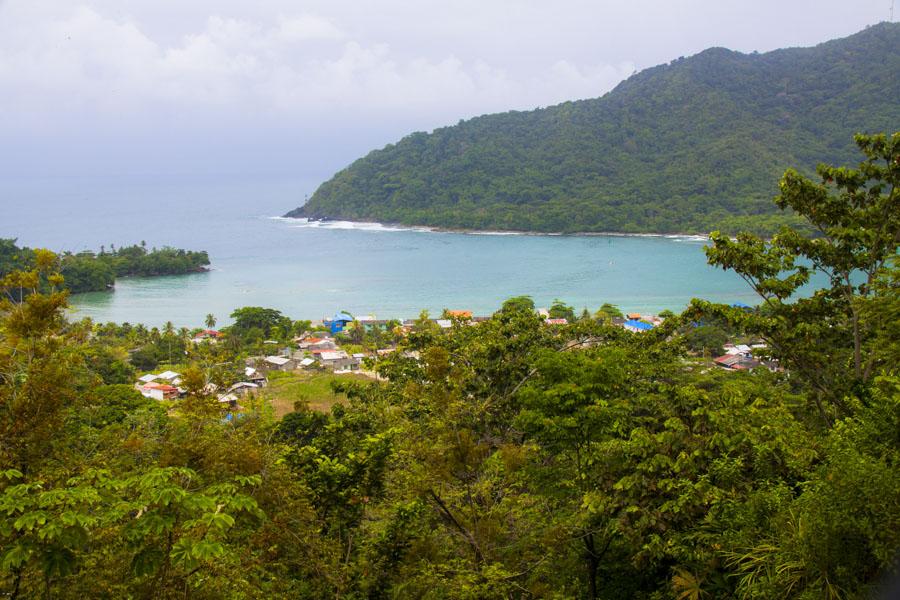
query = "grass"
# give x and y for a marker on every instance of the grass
(314, 387)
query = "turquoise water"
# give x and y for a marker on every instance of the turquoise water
(310, 270)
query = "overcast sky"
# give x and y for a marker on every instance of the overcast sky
(288, 87)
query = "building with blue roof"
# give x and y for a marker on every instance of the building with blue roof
(337, 323)
(635, 325)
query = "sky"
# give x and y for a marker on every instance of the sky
(281, 88)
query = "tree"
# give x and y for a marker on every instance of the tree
(706, 339)
(36, 368)
(255, 317)
(608, 311)
(853, 231)
(356, 331)
(518, 303)
(561, 310)
(210, 321)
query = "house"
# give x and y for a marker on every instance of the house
(459, 314)
(634, 316)
(159, 391)
(742, 349)
(148, 378)
(326, 344)
(306, 342)
(736, 362)
(242, 388)
(168, 375)
(307, 362)
(556, 321)
(230, 399)
(636, 326)
(338, 360)
(254, 376)
(279, 363)
(337, 323)
(210, 335)
(444, 323)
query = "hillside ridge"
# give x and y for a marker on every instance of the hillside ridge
(695, 144)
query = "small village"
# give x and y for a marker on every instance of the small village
(327, 349)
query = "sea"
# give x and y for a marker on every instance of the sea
(310, 270)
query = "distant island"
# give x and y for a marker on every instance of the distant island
(687, 147)
(89, 271)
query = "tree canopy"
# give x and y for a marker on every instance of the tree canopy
(89, 271)
(495, 459)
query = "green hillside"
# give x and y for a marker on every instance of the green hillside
(690, 146)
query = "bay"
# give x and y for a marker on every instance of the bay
(311, 270)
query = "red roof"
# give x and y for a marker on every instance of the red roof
(160, 386)
(463, 314)
(209, 333)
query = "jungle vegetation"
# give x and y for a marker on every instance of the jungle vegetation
(506, 459)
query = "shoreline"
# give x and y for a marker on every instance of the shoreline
(498, 232)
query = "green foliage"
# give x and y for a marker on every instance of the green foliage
(706, 339)
(608, 311)
(837, 330)
(109, 404)
(561, 310)
(496, 459)
(262, 321)
(91, 272)
(84, 273)
(691, 146)
(524, 303)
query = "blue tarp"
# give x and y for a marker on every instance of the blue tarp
(639, 325)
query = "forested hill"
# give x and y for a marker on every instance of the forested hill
(690, 146)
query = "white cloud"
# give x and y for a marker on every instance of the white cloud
(170, 84)
(84, 60)
(307, 27)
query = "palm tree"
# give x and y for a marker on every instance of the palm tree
(357, 331)
(169, 330)
(210, 321)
